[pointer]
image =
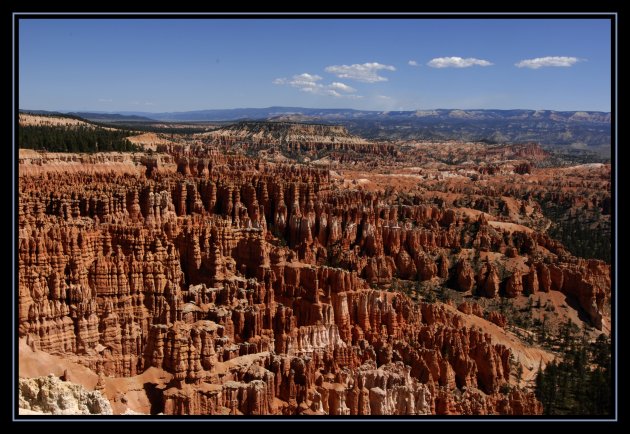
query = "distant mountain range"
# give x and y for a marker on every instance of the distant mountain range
(548, 127)
(111, 117)
(93, 116)
(347, 114)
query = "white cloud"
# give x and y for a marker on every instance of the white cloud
(366, 72)
(309, 83)
(303, 81)
(105, 100)
(342, 87)
(542, 62)
(457, 62)
(412, 63)
(306, 78)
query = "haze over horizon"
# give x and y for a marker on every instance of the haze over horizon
(148, 112)
(162, 65)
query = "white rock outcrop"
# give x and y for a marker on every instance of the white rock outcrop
(51, 395)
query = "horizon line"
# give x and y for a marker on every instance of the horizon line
(66, 111)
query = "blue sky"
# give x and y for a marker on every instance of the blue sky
(178, 65)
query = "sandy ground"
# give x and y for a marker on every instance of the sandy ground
(123, 393)
(26, 119)
(528, 356)
(510, 227)
(379, 181)
(149, 141)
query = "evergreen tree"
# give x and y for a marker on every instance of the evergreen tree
(74, 139)
(580, 384)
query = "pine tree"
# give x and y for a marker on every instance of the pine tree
(580, 384)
